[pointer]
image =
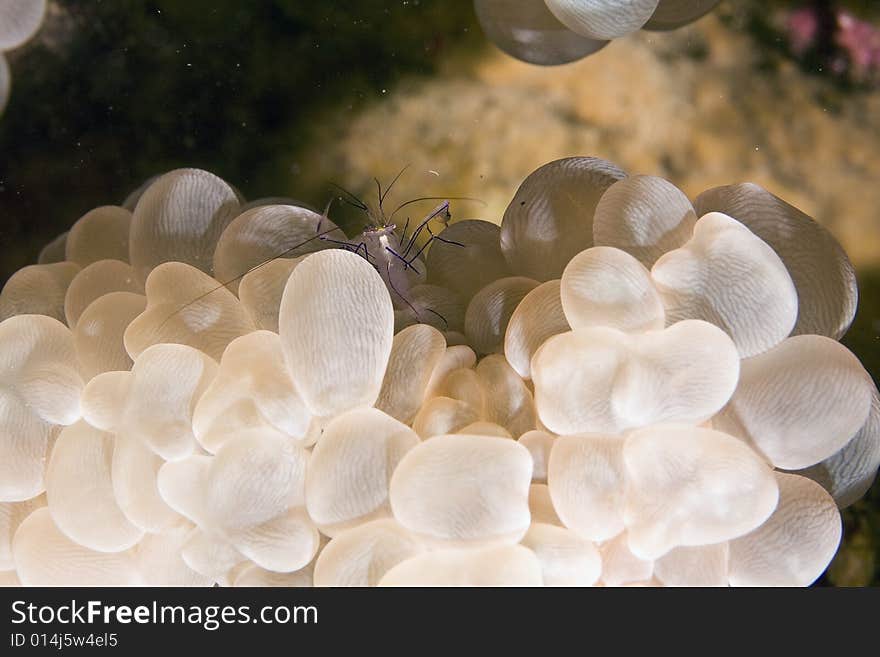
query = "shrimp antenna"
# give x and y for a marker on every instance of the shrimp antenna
(437, 198)
(388, 189)
(350, 198)
(240, 276)
(383, 194)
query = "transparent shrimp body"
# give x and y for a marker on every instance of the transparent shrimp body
(398, 262)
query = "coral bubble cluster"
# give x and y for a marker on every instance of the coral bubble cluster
(616, 386)
(19, 21)
(551, 32)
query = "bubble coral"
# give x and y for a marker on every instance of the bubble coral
(19, 22)
(551, 32)
(627, 388)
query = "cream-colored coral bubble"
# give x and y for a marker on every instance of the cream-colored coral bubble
(689, 486)
(463, 490)
(37, 290)
(100, 234)
(601, 380)
(507, 565)
(94, 281)
(351, 467)
(80, 494)
(186, 306)
(180, 217)
(337, 328)
(604, 286)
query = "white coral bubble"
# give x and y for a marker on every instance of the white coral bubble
(587, 484)
(337, 327)
(728, 276)
(796, 543)
(604, 286)
(361, 556)
(80, 494)
(800, 402)
(604, 381)
(507, 565)
(690, 486)
(351, 467)
(464, 489)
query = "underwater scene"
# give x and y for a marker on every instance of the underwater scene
(423, 293)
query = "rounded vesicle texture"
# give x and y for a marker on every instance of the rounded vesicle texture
(100, 234)
(603, 19)
(253, 479)
(415, 352)
(11, 516)
(566, 559)
(620, 566)
(507, 565)
(180, 217)
(261, 290)
(550, 219)
(100, 330)
(672, 14)
(587, 483)
(44, 556)
(362, 555)
(19, 21)
(182, 486)
(166, 382)
(465, 269)
(337, 327)
(186, 306)
(538, 317)
(822, 274)
(252, 575)
(645, 216)
(38, 364)
(848, 473)
(702, 565)
(159, 562)
(435, 305)
(485, 429)
(541, 505)
(37, 290)
(455, 357)
(103, 400)
(528, 31)
(54, 250)
(509, 401)
(464, 489)
(797, 542)
(539, 444)
(79, 491)
(134, 471)
(600, 380)
(728, 276)
(93, 282)
(211, 556)
(604, 286)
(351, 467)
(284, 543)
(265, 233)
(800, 402)
(441, 415)
(688, 486)
(24, 442)
(488, 313)
(465, 385)
(252, 390)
